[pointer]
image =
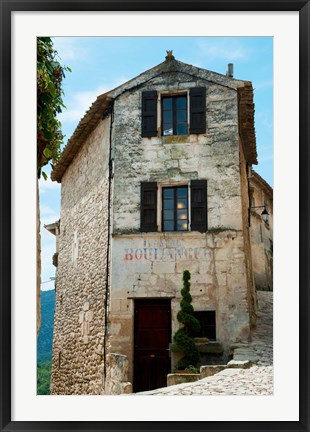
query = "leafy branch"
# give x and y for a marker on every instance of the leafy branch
(50, 74)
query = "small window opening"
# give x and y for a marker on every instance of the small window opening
(207, 324)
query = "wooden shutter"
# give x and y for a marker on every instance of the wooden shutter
(149, 114)
(197, 110)
(199, 205)
(149, 207)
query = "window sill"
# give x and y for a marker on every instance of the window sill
(172, 234)
(175, 139)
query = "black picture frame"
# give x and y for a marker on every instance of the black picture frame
(7, 7)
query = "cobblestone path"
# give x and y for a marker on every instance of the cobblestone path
(257, 380)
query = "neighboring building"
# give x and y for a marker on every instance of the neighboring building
(261, 230)
(54, 228)
(155, 181)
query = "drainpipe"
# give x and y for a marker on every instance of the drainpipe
(107, 296)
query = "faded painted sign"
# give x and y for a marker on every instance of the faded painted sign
(165, 250)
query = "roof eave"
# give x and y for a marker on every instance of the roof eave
(98, 111)
(246, 122)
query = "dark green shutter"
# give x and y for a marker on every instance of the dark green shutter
(197, 110)
(199, 205)
(149, 207)
(149, 114)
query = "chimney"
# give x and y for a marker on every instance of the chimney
(230, 70)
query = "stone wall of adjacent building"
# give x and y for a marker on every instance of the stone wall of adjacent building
(261, 234)
(78, 345)
(245, 194)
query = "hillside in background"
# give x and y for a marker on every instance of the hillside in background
(45, 338)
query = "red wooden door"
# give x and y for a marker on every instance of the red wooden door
(152, 335)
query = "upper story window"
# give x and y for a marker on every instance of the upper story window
(177, 208)
(172, 113)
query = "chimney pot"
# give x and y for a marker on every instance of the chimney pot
(230, 70)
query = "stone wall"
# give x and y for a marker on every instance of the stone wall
(245, 193)
(147, 265)
(78, 345)
(261, 235)
(152, 265)
(213, 156)
(117, 373)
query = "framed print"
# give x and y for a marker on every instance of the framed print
(157, 185)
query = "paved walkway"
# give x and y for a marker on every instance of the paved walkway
(257, 380)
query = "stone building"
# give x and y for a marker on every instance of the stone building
(154, 181)
(261, 231)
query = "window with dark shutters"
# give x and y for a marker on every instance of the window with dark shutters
(199, 205)
(149, 207)
(197, 110)
(149, 114)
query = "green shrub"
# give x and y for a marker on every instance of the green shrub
(44, 377)
(183, 338)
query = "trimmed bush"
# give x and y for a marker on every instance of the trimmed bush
(183, 338)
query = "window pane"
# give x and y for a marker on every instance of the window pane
(167, 130)
(168, 193)
(182, 203)
(168, 215)
(182, 129)
(182, 214)
(182, 192)
(168, 226)
(182, 226)
(168, 204)
(167, 117)
(181, 116)
(181, 101)
(167, 103)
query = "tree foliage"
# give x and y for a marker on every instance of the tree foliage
(50, 74)
(183, 338)
(44, 377)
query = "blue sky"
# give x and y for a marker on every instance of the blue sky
(101, 63)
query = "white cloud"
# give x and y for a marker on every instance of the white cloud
(222, 49)
(47, 215)
(69, 48)
(81, 101)
(47, 185)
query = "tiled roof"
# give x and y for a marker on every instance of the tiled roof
(246, 122)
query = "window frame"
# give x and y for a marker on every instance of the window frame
(193, 206)
(174, 96)
(209, 328)
(175, 208)
(163, 185)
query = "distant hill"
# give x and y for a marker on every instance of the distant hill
(45, 338)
